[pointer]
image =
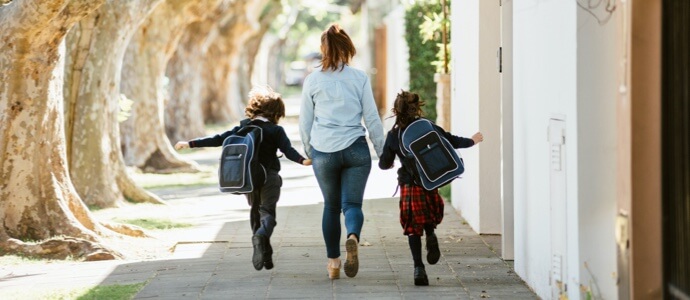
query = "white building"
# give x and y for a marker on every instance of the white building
(568, 95)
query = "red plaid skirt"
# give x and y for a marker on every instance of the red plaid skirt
(419, 207)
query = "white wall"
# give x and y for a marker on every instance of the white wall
(397, 67)
(465, 112)
(597, 90)
(475, 106)
(545, 84)
(565, 65)
(507, 211)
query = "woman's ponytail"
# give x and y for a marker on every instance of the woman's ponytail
(336, 47)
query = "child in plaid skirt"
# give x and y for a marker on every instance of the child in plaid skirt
(420, 210)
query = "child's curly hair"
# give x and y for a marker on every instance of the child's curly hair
(407, 108)
(264, 102)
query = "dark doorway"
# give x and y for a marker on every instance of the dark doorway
(676, 147)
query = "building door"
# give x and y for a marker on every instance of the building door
(676, 147)
(380, 49)
(558, 207)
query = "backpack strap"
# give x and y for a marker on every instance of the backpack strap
(400, 144)
(253, 123)
(248, 126)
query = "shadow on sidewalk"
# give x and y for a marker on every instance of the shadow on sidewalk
(221, 268)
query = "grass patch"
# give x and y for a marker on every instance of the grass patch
(110, 292)
(115, 292)
(207, 176)
(154, 223)
(11, 259)
(444, 191)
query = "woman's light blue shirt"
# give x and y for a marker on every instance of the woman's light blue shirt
(333, 106)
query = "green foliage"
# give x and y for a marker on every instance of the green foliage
(439, 63)
(304, 34)
(432, 30)
(444, 191)
(431, 27)
(154, 223)
(422, 22)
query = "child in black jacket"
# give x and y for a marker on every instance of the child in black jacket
(265, 108)
(420, 210)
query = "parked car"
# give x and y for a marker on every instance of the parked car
(295, 73)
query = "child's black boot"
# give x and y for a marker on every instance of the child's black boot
(420, 277)
(268, 254)
(433, 252)
(258, 241)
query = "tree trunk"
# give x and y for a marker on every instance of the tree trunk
(183, 117)
(221, 62)
(250, 50)
(145, 144)
(37, 199)
(227, 74)
(96, 164)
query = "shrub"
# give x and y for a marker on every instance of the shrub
(420, 18)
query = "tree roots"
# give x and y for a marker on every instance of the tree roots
(60, 248)
(129, 230)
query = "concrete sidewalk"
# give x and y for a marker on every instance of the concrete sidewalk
(212, 260)
(221, 268)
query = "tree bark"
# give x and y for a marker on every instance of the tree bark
(183, 118)
(187, 86)
(220, 105)
(250, 50)
(145, 144)
(225, 61)
(96, 166)
(37, 199)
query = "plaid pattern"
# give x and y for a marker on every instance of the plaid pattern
(419, 207)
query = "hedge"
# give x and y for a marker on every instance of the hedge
(422, 55)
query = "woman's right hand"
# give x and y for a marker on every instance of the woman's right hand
(306, 162)
(181, 145)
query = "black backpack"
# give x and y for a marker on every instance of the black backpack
(240, 171)
(428, 156)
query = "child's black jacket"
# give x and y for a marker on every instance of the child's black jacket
(392, 148)
(274, 138)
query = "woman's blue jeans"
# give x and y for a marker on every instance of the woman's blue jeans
(342, 177)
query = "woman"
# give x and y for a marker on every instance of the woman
(335, 99)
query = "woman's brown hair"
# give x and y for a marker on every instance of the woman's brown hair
(406, 108)
(336, 48)
(266, 103)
